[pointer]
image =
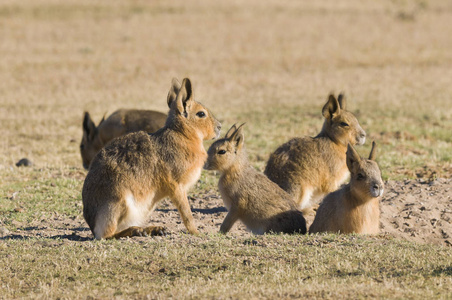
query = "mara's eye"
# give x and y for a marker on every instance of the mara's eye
(201, 114)
(82, 147)
(221, 152)
(360, 176)
(343, 124)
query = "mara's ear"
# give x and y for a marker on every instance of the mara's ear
(103, 119)
(342, 101)
(230, 131)
(331, 108)
(373, 152)
(89, 128)
(174, 90)
(352, 157)
(184, 97)
(238, 137)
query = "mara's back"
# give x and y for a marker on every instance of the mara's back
(119, 123)
(261, 204)
(146, 120)
(329, 216)
(309, 158)
(125, 121)
(132, 155)
(252, 192)
(338, 213)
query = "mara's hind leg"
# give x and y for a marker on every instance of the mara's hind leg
(304, 198)
(140, 231)
(290, 222)
(297, 223)
(107, 223)
(109, 230)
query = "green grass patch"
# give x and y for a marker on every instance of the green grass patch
(27, 201)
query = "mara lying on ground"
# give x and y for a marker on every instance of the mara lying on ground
(355, 207)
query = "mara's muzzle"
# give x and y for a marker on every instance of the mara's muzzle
(376, 190)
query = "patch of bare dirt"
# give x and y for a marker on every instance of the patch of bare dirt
(413, 210)
(418, 210)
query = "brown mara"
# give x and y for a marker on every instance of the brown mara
(355, 207)
(310, 167)
(134, 172)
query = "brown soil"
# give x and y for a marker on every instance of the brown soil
(419, 211)
(413, 210)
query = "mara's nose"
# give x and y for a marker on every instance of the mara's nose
(361, 139)
(377, 190)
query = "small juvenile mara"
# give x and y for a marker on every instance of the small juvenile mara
(308, 168)
(355, 207)
(249, 195)
(119, 123)
(134, 172)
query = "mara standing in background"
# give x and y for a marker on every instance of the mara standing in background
(307, 167)
(134, 172)
(119, 123)
(249, 195)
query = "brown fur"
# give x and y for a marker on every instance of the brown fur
(248, 194)
(119, 123)
(355, 207)
(134, 172)
(308, 168)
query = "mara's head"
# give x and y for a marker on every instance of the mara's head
(227, 151)
(365, 177)
(341, 125)
(90, 144)
(189, 114)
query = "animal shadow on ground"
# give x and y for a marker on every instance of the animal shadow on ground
(206, 211)
(443, 271)
(71, 237)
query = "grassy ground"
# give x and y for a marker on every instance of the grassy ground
(268, 63)
(226, 267)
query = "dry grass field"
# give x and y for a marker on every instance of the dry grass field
(270, 64)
